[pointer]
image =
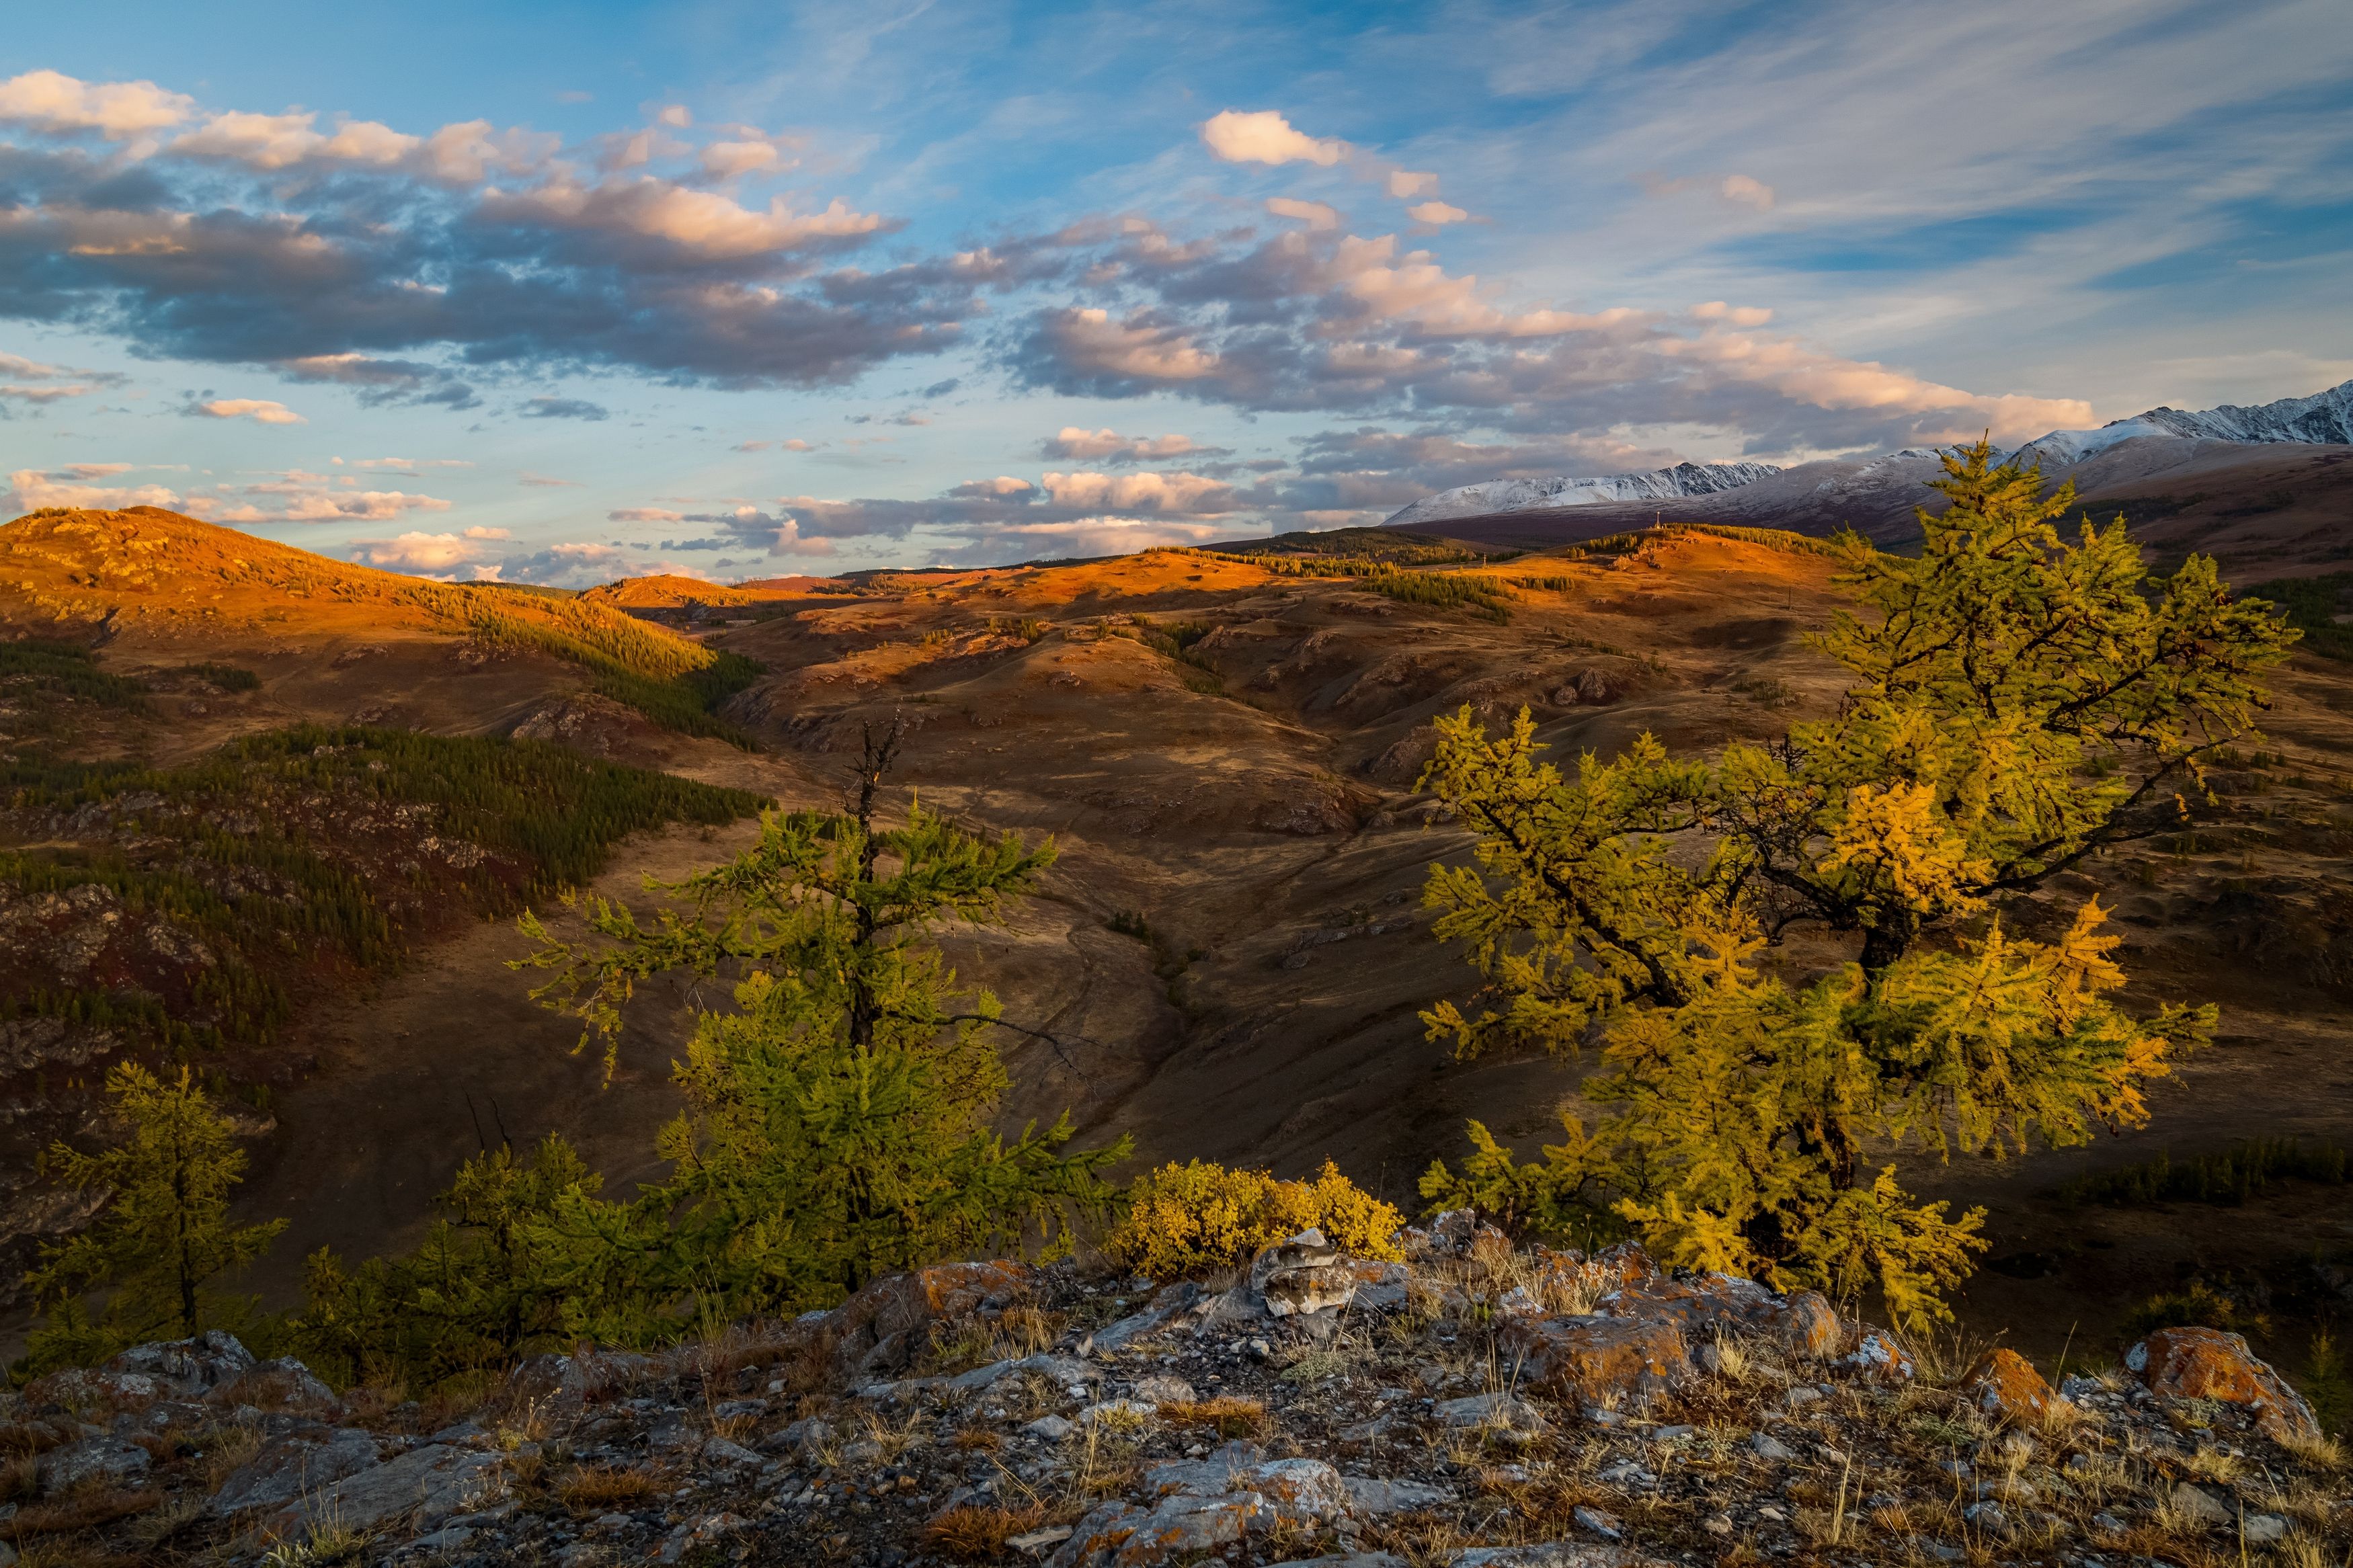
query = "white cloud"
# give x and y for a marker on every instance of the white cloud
(1264, 136)
(1315, 214)
(51, 100)
(260, 410)
(1746, 191)
(1436, 213)
(726, 160)
(29, 490)
(1405, 184)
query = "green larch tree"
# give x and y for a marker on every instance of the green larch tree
(837, 1120)
(162, 1236)
(2019, 702)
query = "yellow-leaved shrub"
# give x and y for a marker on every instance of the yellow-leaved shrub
(1198, 1216)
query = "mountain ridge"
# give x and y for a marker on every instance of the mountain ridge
(1493, 496)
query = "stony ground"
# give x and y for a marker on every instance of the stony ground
(1476, 1406)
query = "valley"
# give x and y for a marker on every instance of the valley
(1230, 952)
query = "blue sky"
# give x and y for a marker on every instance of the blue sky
(560, 292)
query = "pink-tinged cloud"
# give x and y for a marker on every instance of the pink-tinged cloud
(1315, 214)
(1734, 315)
(1405, 184)
(1151, 491)
(1094, 340)
(702, 222)
(29, 490)
(1263, 136)
(416, 552)
(1747, 192)
(1436, 213)
(52, 101)
(1074, 444)
(644, 514)
(260, 410)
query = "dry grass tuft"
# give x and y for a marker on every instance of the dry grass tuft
(973, 1532)
(85, 1509)
(1229, 1415)
(607, 1488)
(228, 1450)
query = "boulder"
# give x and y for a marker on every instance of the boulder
(2005, 1385)
(1707, 1305)
(886, 1325)
(289, 1468)
(284, 1384)
(191, 1367)
(110, 1460)
(2207, 1364)
(565, 1384)
(1554, 1555)
(96, 1389)
(1878, 1357)
(426, 1486)
(1599, 1360)
(1304, 1274)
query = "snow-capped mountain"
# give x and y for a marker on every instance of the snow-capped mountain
(2324, 418)
(1493, 496)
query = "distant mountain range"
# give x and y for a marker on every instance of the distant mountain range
(2271, 484)
(1492, 496)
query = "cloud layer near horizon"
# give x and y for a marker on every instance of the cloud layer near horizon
(1275, 304)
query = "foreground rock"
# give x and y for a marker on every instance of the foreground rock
(1475, 1408)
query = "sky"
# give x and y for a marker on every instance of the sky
(562, 292)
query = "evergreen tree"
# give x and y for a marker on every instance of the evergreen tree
(162, 1236)
(497, 1277)
(2018, 703)
(837, 1121)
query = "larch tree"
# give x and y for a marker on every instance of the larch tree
(837, 1120)
(2018, 703)
(162, 1235)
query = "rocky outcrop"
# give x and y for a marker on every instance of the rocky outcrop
(2207, 1364)
(1476, 1406)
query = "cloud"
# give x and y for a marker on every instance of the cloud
(29, 381)
(1079, 537)
(1405, 184)
(260, 410)
(419, 553)
(728, 159)
(1436, 213)
(1320, 321)
(51, 101)
(29, 490)
(306, 497)
(1263, 136)
(1747, 192)
(1072, 443)
(543, 481)
(1151, 490)
(701, 224)
(382, 381)
(563, 409)
(1740, 316)
(644, 514)
(999, 487)
(358, 254)
(479, 531)
(1315, 214)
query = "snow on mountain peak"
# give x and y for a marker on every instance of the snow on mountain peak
(1544, 495)
(2322, 417)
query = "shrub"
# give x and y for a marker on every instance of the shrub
(1198, 1216)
